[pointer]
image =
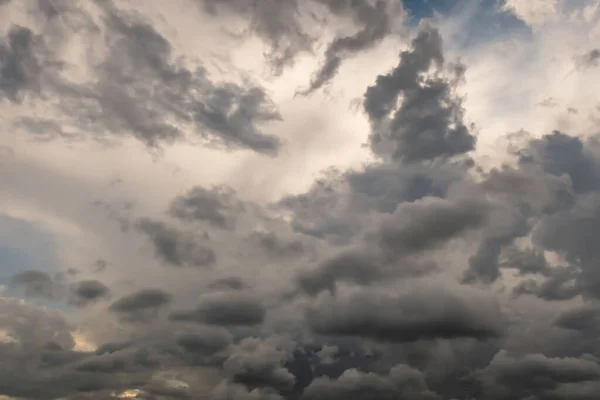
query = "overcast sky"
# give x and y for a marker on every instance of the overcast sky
(300, 199)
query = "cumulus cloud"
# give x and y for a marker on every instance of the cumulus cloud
(420, 315)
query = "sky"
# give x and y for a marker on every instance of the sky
(299, 199)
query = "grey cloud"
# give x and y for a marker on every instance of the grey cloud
(570, 234)
(37, 365)
(535, 375)
(375, 23)
(332, 208)
(530, 185)
(32, 327)
(226, 308)
(414, 228)
(233, 391)
(141, 57)
(229, 283)
(19, 67)
(88, 291)
(217, 206)
(552, 171)
(429, 222)
(205, 342)
(259, 363)
(484, 265)
(100, 265)
(145, 299)
(590, 59)
(560, 284)
(279, 24)
(559, 154)
(176, 247)
(408, 317)
(428, 123)
(349, 266)
(140, 90)
(274, 21)
(38, 284)
(358, 267)
(582, 318)
(402, 382)
(276, 247)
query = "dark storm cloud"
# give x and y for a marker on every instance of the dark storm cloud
(205, 342)
(530, 185)
(37, 284)
(88, 291)
(580, 319)
(32, 327)
(140, 90)
(228, 283)
(429, 222)
(233, 391)
(19, 66)
(349, 266)
(140, 59)
(40, 284)
(414, 228)
(559, 284)
(280, 25)
(332, 208)
(538, 376)
(37, 364)
(226, 308)
(590, 59)
(570, 233)
(276, 247)
(177, 247)
(552, 171)
(559, 154)
(428, 123)
(259, 363)
(374, 21)
(145, 299)
(274, 21)
(402, 382)
(217, 206)
(413, 316)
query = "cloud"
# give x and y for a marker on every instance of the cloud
(408, 317)
(374, 19)
(37, 284)
(141, 304)
(89, 291)
(20, 68)
(226, 308)
(217, 206)
(176, 247)
(428, 123)
(428, 222)
(536, 374)
(451, 256)
(161, 96)
(259, 363)
(402, 381)
(591, 58)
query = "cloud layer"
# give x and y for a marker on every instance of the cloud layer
(299, 200)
